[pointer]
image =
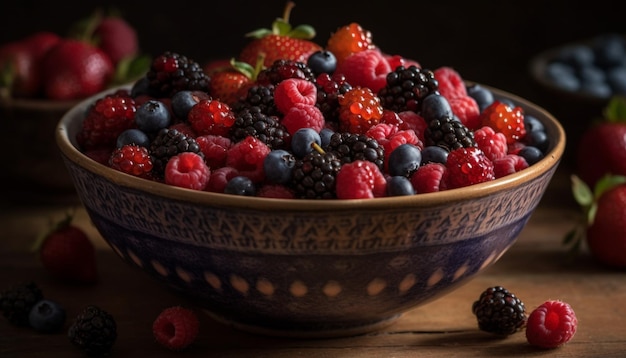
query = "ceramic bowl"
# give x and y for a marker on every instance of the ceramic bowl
(308, 268)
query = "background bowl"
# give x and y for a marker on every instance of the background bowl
(308, 268)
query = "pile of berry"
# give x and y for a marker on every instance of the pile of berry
(343, 121)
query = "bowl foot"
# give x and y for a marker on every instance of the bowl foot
(306, 330)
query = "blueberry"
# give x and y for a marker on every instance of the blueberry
(304, 140)
(322, 62)
(576, 56)
(47, 316)
(399, 185)
(531, 123)
(133, 136)
(435, 106)
(278, 165)
(240, 185)
(481, 95)
(152, 116)
(434, 154)
(601, 90)
(140, 87)
(616, 78)
(531, 154)
(404, 160)
(325, 135)
(562, 76)
(609, 50)
(182, 101)
(538, 139)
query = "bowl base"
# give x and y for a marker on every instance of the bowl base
(307, 331)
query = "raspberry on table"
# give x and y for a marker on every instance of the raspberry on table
(499, 311)
(176, 327)
(551, 325)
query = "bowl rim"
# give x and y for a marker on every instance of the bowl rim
(68, 148)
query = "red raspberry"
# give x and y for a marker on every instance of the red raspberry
(451, 83)
(397, 60)
(506, 120)
(428, 178)
(187, 170)
(303, 116)
(514, 148)
(467, 166)
(492, 143)
(551, 324)
(247, 157)
(214, 148)
(105, 120)
(509, 164)
(390, 138)
(466, 108)
(360, 179)
(276, 191)
(176, 328)
(367, 68)
(359, 109)
(412, 120)
(211, 117)
(184, 128)
(101, 155)
(219, 178)
(132, 159)
(294, 90)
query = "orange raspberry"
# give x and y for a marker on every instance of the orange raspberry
(359, 110)
(505, 119)
(348, 40)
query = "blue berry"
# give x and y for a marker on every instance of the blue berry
(399, 185)
(47, 316)
(435, 106)
(404, 160)
(609, 50)
(152, 116)
(240, 185)
(616, 77)
(278, 165)
(481, 95)
(140, 87)
(322, 62)
(562, 76)
(531, 123)
(325, 135)
(537, 139)
(133, 136)
(304, 141)
(182, 102)
(434, 154)
(531, 154)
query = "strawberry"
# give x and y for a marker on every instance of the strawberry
(230, 82)
(117, 38)
(602, 147)
(604, 227)
(67, 253)
(75, 69)
(281, 42)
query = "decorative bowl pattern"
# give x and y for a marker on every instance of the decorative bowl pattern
(308, 268)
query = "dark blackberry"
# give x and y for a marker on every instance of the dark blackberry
(449, 133)
(499, 311)
(329, 88)
(406, 87)
(284, 69)
(251, 121)
(352, 146)
(94, 331)
(260, 96)
(17, 301)
(314, 176)
(171, 72)
(168, 143)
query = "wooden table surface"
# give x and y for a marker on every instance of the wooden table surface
(536, 268)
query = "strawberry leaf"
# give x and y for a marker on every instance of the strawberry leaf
(131, 69)
(615, 111)
(607, 182)
(305, 32)
(281, 27)
(581, 191)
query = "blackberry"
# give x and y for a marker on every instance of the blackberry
(406, 87)
(329, 88)
(283, 69)
(352, 146)
(251, 121)
(94, 331)
(17, 301)
(168, 143)
(261, 96)
(449, 133)
(314, 176)
(499, 311)
(171, 72)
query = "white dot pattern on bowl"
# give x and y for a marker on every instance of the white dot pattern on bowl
(407, 282)
(135, 258)
(159, 268)
(435, 277)
(461, 271)
(265, 286)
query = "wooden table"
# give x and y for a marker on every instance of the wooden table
(536, 268)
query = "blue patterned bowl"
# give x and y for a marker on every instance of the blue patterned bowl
(308, 268)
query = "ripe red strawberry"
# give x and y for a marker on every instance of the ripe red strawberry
(281, 42)
(604, 228)
(602, 147)
(230, 82)
(75, 69)
(117, 38)
(68, 254)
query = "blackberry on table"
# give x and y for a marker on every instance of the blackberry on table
(251, 121)
(168, 143)
(449, 133)
(352, 146)
(17, 301)
(314, 176)
(499, 311)
(94, 331)
(171, 72)
(406, 87)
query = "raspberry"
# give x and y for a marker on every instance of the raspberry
(219, 178)
(451, 83)
(247, 156)
(187, 170)
(492, 143)
(292, 91)
(428, 178)
(303, 116)
(214, 149)
(132, 159)
(412, 120)
(106, 119)
(509, 164)
(360, 109)
(505, 119)
(499, 311)
(467, 166)
(551, 324)
(176, 328)
(276, 191)
(360, 179)
(211, 117)
(467, 110)
(389, 137)
(367, 68)
(397, 60)
(348, 40)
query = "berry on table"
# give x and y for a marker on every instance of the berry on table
(47, 316)
(94, 331)
(176, 327)
(499, 311)
(17, 301)
(551, 325)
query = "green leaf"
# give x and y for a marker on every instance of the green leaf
(581, 191)
(615, 110)
(131, 68)
(607, 182)
(281, 27)
(591, 213)
(305, 32)
(258, 33)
